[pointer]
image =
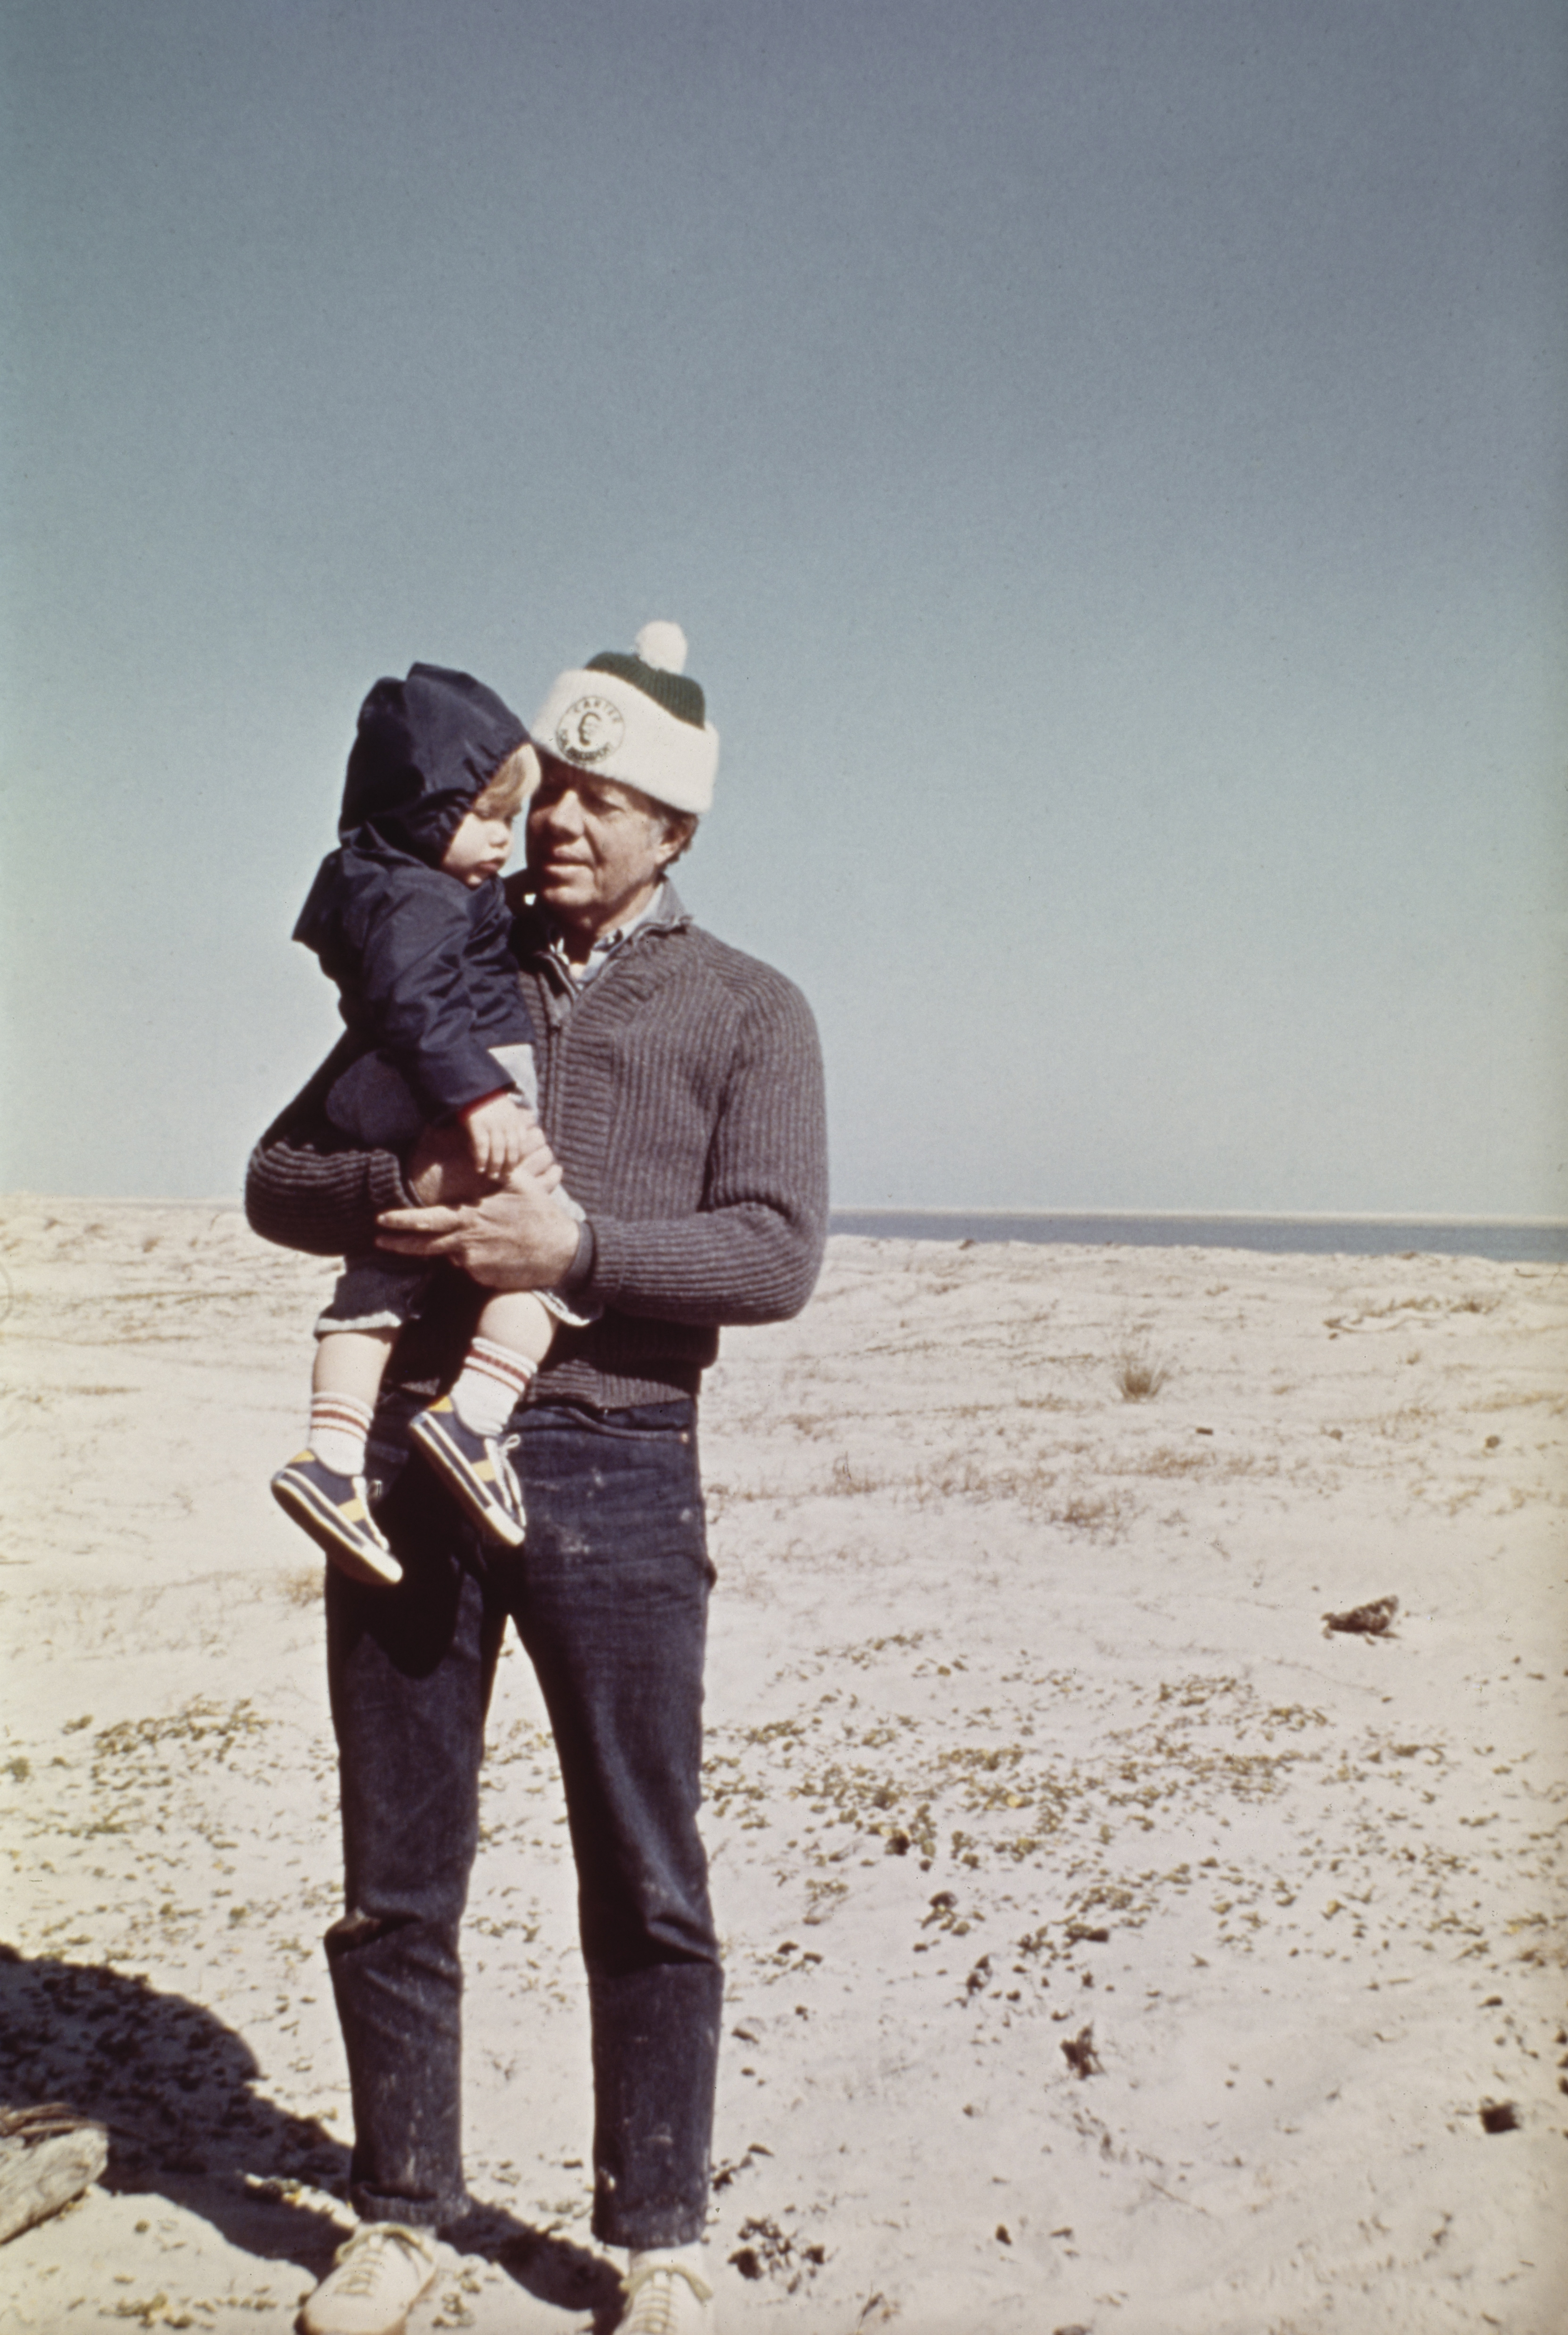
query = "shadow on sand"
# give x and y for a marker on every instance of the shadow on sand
(176, 2089)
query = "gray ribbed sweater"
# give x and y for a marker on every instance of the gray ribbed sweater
(683, 1095)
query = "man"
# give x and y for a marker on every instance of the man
(683, 1096)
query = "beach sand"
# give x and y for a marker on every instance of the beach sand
(1108, 1946)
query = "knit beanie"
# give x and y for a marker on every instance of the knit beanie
(638, 718)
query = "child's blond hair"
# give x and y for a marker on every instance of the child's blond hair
(504, 795)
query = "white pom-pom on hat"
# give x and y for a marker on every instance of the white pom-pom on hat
(663, 644)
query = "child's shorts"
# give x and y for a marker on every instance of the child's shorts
(381, 1292)
(378, 1292)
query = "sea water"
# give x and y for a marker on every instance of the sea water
(1508, 1240)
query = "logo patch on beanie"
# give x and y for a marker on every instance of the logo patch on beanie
(589, 731)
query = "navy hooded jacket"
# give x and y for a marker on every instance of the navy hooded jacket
(422, 963)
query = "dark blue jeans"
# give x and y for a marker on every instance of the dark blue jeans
(610, 1596)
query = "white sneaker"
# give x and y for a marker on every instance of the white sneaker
(667, 2295)
(381, 2273)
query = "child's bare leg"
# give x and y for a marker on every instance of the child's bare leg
(345, 1387)
(510, 1341)
(516, 1319)
(351, 1362)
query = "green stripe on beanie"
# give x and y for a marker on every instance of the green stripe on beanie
(677, 692)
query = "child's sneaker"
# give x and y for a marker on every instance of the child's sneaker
(476, 1468)
(335, 1512)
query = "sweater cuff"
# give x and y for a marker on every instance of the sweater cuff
(580, 1270)
(385, 1182)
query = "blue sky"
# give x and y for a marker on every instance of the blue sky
(1107, 458)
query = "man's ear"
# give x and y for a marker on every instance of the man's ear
(680, 827)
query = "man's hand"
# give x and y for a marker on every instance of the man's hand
(516, 1239)
(442, 1172)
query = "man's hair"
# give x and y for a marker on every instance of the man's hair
(680, 827)
(504, 795)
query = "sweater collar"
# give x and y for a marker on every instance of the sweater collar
(538, 934)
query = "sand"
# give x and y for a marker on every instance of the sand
(1109, 1948)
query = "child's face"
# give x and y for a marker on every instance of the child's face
(479, 850)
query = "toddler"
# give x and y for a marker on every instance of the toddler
(409, 919)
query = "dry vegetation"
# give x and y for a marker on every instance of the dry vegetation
(1139, 1378)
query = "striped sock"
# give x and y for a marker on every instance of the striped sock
(339, 1426)
(488, 1388)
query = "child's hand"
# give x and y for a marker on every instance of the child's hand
(497, 1131)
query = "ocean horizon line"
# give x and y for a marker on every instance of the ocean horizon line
(1519, 1240)
(235, 1200)
(1206, 1215)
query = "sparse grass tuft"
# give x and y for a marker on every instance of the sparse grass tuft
(1139, 1377)
(848, 1477)
(307, 1586)
(1166, 1462)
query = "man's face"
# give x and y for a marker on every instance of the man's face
(595, 849)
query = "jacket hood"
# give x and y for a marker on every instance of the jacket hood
(425, 748)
